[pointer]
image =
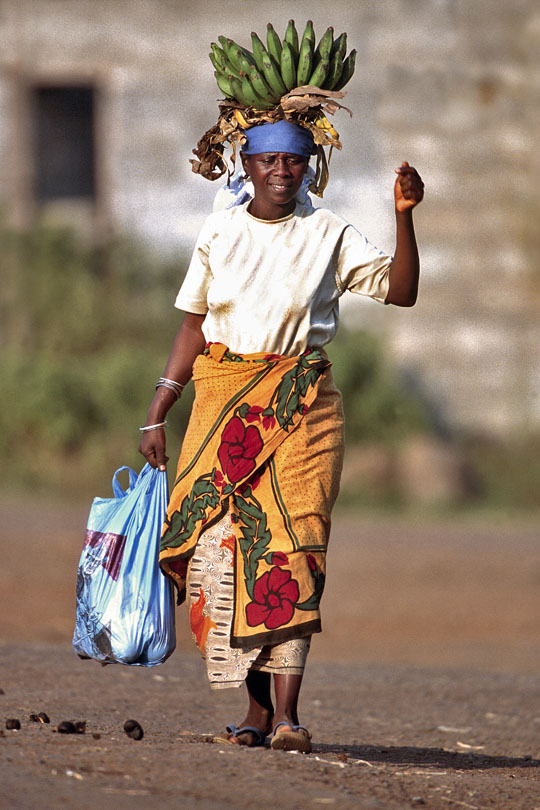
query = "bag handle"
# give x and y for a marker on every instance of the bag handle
(116, 486)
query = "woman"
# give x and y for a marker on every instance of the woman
(249, 516)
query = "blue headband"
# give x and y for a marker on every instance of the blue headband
(279, 137)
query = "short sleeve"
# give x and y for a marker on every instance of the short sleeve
(192, 296)
(362, 268)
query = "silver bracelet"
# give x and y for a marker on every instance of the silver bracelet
(174, 383)
(170, 387)
(146, 428)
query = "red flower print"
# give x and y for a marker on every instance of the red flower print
(238, 449)
(268, 422)
(254, 413)
(279, 558)
(219, 480)
(311, 562)
(253, 481)
(274, 597)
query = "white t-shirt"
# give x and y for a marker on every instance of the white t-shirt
(275, 286)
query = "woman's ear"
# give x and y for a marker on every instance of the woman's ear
(245, 164)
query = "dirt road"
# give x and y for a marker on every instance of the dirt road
(423, 691)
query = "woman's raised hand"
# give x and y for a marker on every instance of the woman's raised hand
(408, 188)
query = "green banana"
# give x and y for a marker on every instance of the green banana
(227, 68)
(324, 48)
(288, 66)
(245, 63)
(261, 87)
(318, 77)
(233, 52)
(248, 55)
(305, 60)
(340, 46)
(224, 84)
(258, 50)
(215, 62)
(347, 72)
(309, 33)
(273, 43)
(291, 36)
(273, 76)
(259, 78)
(219, 55)
(335, 71)
(238, 91)
(224, 44)
(248, 91)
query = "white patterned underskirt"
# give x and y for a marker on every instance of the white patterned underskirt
(210, 589)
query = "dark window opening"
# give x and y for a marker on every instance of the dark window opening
(64, 142)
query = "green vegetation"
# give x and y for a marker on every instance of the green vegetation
(377, 407)
(84, 336)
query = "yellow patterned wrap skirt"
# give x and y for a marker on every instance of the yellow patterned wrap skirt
(264, 445)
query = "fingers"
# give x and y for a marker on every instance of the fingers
(410, 183)
(154, 450)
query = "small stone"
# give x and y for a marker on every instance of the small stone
(12, 724)
(96, 736)
(342, 757)
(33, 718)
(80, 726)
(66, 727)
(2, 692)
(417, 800)
(133, 729)
(43, 718)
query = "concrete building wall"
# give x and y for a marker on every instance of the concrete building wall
(452, 86)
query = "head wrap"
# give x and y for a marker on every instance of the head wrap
(283, 136)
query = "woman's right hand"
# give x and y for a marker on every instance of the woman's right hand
(152, 446)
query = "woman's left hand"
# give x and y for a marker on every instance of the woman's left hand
(408, 188)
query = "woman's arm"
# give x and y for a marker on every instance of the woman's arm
(188, 343)
(405, 267)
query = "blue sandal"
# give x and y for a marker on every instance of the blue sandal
(298, 739)
(234, 731)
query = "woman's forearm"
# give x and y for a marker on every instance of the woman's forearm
(405, 267)
(188, 344)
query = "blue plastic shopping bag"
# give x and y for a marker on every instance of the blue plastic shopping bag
(125, 604)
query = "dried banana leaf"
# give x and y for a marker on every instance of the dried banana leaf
(305, 106)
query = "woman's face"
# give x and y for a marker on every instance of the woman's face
(276, 178)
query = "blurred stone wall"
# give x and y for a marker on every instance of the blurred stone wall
(452, 86)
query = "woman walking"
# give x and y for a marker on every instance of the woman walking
(249, 517)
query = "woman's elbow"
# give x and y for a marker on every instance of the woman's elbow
(401, 299)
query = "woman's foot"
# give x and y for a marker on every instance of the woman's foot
(288, 736)
(251, 732)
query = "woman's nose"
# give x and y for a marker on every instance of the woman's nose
(281, 167)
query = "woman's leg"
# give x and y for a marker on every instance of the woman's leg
(260, 711)
(287, 689)
(286, 738)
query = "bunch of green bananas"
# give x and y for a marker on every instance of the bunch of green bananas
(259, 78)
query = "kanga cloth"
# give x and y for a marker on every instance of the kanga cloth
(210, 601)
(265, 443)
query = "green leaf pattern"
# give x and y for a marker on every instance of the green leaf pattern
(183, 522)
(255, 534)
